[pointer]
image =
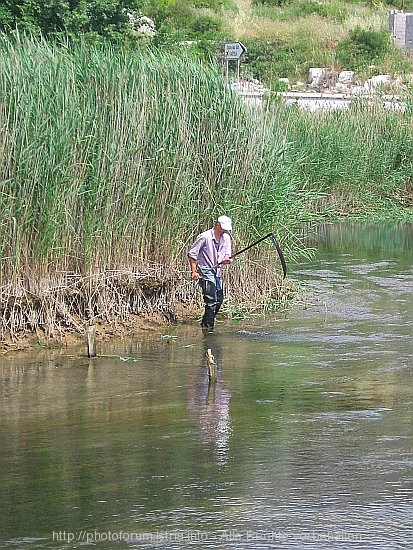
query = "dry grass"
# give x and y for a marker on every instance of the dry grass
(64, 302)
(248, 24)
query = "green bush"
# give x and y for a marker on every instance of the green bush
(406, 5)
(56, 18)
(268, 61)
(215, 5)
(183, 22)
(205, 27)
(362, 48)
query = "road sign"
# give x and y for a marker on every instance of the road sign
(234, 50)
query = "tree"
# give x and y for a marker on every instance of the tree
(106, 18)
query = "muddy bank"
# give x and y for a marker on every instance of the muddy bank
(133, 326)
(56, 311)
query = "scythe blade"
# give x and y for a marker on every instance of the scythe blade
(280, 255)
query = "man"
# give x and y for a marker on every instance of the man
(211, 249)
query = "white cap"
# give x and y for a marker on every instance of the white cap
(225, 223)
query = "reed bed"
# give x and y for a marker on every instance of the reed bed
(113, 160)
(362, 159)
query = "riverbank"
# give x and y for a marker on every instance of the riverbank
(134, 326)
(59, 317)
(160, 306)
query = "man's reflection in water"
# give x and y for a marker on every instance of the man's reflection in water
(209, 400)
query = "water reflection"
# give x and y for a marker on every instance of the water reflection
(209, 401)
(373, 240)
(307, 430)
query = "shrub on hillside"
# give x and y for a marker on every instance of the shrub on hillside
(205, 27)
(270, 2)
(406, 5)
(59, 18)
(362, 48)
(268, 61)
(215, 5)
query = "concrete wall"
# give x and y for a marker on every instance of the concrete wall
(401, 29)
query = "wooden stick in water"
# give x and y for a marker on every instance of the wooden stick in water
(212, 366)
(91, 340)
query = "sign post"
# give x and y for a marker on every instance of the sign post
(233, 52)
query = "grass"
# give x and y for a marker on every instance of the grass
(362, 159)
(112, 161)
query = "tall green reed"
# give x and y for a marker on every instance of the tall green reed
(362, 155)
(113, 157)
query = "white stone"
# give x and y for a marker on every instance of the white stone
(342, 88)
(316, 76)
(347, 77)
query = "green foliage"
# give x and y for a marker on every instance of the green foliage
(362, 48)
(201, 22)
(206, 27)
(153, 143)
(359, 158)
(214, 5)
(405, 5)
(93, 19)
(108, 153)
(268, 61)
(183, 23)
(57, 18)
(367, 48)
(304, 8)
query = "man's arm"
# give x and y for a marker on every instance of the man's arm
(194, 273)
(193, 256)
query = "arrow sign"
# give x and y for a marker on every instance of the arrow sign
(234, 50)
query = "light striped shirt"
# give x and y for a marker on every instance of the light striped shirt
(209, 252)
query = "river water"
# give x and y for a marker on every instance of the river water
(304, 440)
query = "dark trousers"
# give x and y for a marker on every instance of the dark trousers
(213, 299)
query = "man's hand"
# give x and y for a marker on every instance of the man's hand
(194, 272)
(226, 260)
